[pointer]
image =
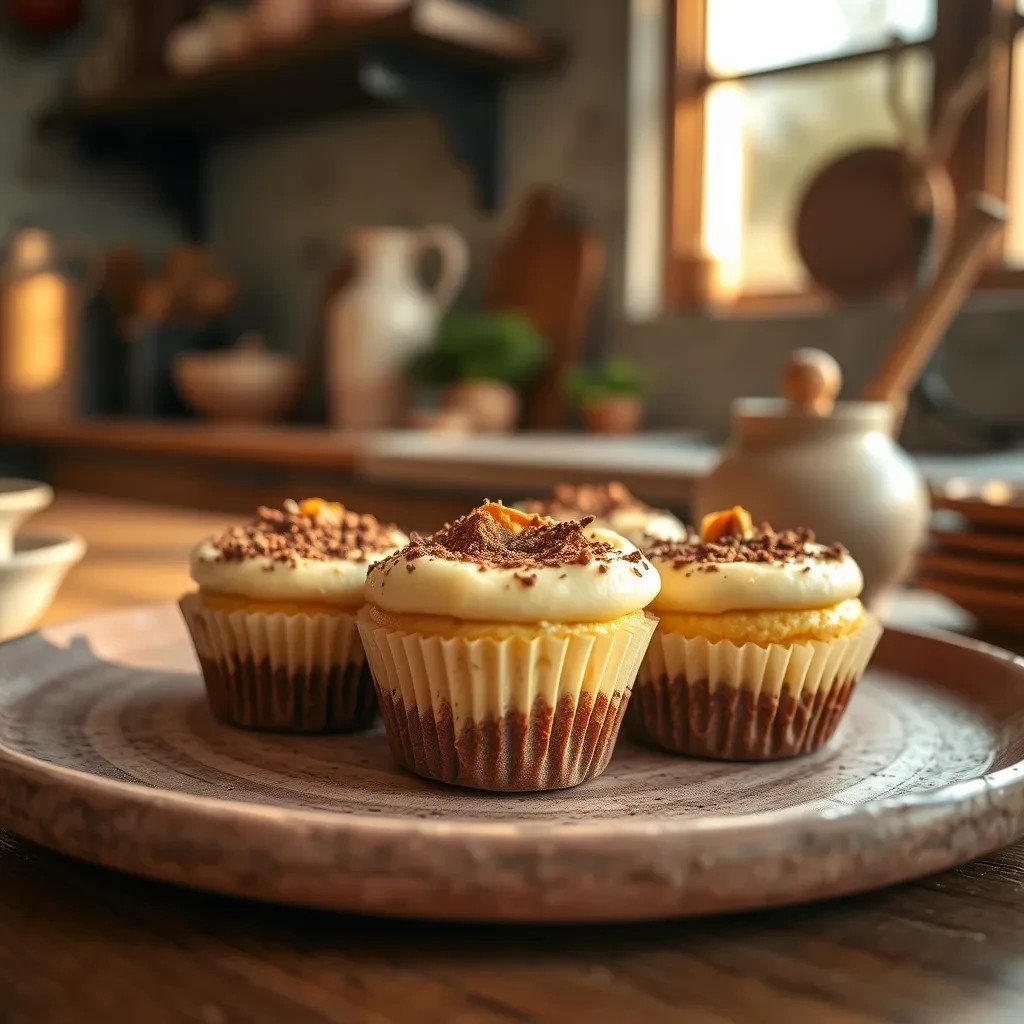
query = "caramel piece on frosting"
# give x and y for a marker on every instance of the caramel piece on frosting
(732, 522)
(511, 519)
(320, 509)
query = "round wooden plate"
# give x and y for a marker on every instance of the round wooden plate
(108, 752)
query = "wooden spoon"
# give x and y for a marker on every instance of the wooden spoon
(933, 308)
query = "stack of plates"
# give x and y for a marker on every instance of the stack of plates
(976, 557)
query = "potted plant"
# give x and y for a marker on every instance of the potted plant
(610, 396)
(480, 361)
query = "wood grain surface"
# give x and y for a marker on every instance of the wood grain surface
(83, 944)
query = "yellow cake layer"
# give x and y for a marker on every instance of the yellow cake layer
(445, 625)
(233, 603)
(768, 627)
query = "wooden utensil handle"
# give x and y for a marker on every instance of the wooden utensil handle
(936, 306)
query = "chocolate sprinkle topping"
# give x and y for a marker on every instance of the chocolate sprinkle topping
(569, 501)
(286, 535)
(481, 538)
(766, 545)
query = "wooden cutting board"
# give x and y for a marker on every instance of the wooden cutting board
(550, 270)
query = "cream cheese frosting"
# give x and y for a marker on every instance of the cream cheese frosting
(732, 567)
(500, 565)
(757, 586)
(314, 551)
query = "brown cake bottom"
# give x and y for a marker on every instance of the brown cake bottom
(549, 748)
(694, 718)
(253, 695)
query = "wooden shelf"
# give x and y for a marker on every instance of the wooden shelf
(446, 54)
(307, 447)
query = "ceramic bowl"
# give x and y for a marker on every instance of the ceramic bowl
(18, 500)
(238, 385)
(31, 576)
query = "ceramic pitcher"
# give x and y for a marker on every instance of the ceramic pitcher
(833, 468)
(382, 317)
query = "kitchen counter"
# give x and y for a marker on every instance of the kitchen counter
(83, 944)
(661, 467)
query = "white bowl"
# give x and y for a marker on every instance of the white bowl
(30, 578)
(18, 500)
(239, 385)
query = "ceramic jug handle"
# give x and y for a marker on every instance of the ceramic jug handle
(454, 253)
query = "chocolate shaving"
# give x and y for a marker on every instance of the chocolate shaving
(480, 538)
(765, 546)
(286, 535)
(572, 501)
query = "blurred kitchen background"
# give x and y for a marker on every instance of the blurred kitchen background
(410, 251)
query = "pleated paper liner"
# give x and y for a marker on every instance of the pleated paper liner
(283, 673)
(512, 714)
(746, 702)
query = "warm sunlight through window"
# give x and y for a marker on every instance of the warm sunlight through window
(753, 35)
(769, 94)
(765, 140)
(1015, 172)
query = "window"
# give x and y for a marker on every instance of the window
(766, 94)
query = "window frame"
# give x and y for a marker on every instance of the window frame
(979, 161)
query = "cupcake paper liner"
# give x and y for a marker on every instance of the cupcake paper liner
(511, 714)
(746, 702)
(279, 672)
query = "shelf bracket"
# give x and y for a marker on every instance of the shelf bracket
(468, 103)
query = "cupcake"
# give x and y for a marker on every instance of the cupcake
(760, 643)
(504, 648)
(612, 507)
(273, 621)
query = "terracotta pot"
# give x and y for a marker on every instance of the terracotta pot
(615, 415)
(492, 405)
(280, 22)
(440, 421)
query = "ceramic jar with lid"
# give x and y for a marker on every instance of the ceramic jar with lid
(832, 466)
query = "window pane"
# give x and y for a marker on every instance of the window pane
(750, 35)
(765, 141)
(1015, 172)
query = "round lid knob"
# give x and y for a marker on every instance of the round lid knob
(811, 381)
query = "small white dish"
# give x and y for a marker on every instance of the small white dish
(18, 500)
(31, 576)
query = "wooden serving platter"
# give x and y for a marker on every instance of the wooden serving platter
(108, 753)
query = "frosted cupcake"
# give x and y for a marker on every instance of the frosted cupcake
(504, 648)
(273, 621)
(612, 507)
(760, 643)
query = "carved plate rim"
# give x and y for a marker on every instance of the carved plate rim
(925, 832)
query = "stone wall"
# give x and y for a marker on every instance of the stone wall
(45, 181)
(281, 205)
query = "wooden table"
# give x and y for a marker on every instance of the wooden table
(81, 944)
